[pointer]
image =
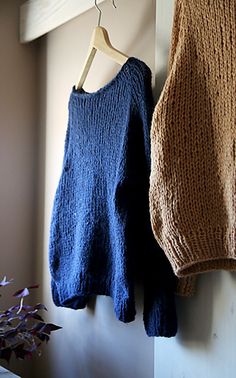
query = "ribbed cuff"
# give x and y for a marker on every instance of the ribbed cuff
(186, 286)
(159, 314)
(201, 251)
(75, 302)
(125, 310)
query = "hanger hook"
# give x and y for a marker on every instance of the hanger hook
(99, 11)
(113, 3)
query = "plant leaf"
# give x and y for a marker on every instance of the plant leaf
(24, 292)
(37, 327)
(36, 286)
(4, 323)
(4, 282)
(37, 316)
(40, 306)
(5, 314)
(32, 315)
(11, 333)
(21, 293)
(48, 328)
(25, 308)
(22, 325)
(43, 337)
(21, 352)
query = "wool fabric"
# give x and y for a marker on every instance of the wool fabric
(100, 237)
(193, 141)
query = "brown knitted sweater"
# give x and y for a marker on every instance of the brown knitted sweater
(193, 141)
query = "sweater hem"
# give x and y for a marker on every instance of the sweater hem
(78, 296)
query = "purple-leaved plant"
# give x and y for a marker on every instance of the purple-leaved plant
(22, 329)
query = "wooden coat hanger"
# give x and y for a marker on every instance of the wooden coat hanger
(100, 41)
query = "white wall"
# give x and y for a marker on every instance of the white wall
(205, 345)
(92, 344)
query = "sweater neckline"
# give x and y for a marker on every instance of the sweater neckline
(84, 94)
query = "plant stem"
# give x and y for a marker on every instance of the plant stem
(21, 305)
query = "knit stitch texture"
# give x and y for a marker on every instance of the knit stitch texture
(100, 237)
(193, 141)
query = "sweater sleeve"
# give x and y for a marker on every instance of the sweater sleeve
(159, 280)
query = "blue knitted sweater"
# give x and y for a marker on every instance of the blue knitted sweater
(100, 236)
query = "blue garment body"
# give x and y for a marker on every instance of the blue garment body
(100, 234)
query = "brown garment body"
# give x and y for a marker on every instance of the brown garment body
(193, 141)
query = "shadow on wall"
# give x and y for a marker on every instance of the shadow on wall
(160, 79)
(200, 315)
(195, 313)
(95, 356)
